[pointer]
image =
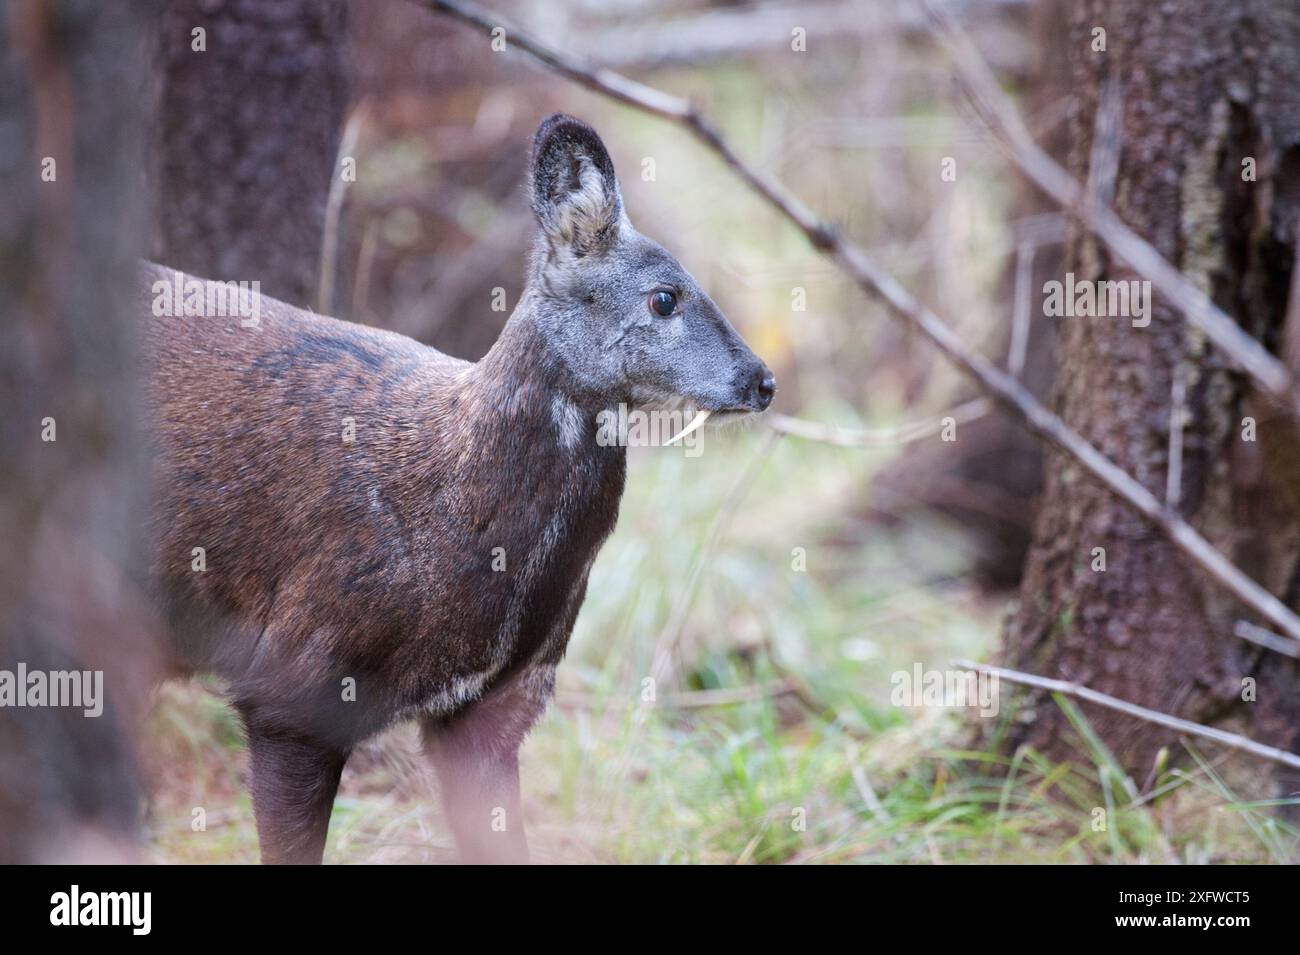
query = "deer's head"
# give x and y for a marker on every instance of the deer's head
(623, 316)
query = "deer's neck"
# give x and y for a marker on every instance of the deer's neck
(522, 442)
(522, 383)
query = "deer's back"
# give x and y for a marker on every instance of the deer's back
(294, 548)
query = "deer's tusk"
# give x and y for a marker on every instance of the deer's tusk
(698, 420)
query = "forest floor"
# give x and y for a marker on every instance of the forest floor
(793, 585)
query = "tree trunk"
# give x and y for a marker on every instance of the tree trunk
(71, 448)
(1203, 87)
(249, 133)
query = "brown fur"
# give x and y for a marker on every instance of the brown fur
(370, 560)
(375, 564)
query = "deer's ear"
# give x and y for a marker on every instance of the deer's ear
(575, 191)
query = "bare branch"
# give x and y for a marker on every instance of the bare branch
(333, 208)
(1266, 638)
(658, 41)
(998, 113)
(880, 284)
(1081, 692)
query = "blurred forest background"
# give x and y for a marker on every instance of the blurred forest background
(784, 580)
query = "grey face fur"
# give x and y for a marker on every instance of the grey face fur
(594, 279)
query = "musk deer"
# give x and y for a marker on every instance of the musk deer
(431, 567)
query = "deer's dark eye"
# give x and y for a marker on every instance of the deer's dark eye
(663, 303)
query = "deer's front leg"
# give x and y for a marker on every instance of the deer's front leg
(476, 756)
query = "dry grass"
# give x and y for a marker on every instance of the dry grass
(614, 781)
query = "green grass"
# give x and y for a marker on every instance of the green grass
(838, 776)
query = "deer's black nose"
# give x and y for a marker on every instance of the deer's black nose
(763, 388)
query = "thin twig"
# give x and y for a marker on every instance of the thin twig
(876, 437)
(1231, 740)
(1181, 778)
(333, 209)
(866, 791)
(879, 283)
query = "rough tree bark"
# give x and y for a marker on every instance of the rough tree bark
(1203, 87)
(248, 137)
